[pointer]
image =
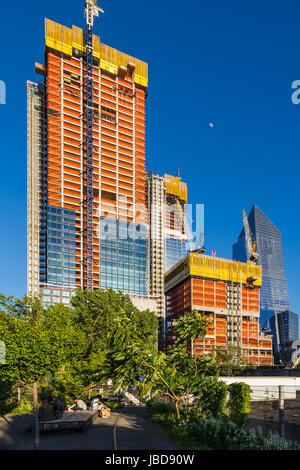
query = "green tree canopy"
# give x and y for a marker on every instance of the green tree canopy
(99, 314)
(38, 340)
(176, 374)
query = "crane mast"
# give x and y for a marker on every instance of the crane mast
(91, 11)
(250, 247)
(193, 246)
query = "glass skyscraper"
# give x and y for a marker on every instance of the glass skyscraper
(284, 328)
(274, 290)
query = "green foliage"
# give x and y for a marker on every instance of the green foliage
(5, 394)
(114, 404)
(213, 398)
(24, 407)
(191, 325)
(160, 406)
(38, 340)
(176, 375)
(63, 347)
(164, 414)
(239, 402)
(223, 434)
(67, 383)
(230, 361)
(99, 315)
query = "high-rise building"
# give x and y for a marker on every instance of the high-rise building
(274, 290)
(175, 227)
(166, 201)
(284, 328)
(87, 223)
(227, 293)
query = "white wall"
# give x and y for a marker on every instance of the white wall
(263, 388)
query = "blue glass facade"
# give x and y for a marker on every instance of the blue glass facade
(284, 328)
(124, 257)
(60, 247)
(175, 250)
(274, 290)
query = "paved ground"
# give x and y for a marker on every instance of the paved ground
(134, 431)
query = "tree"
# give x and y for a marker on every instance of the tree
(38, 340)
(230, 360)
(98, 315)
(176, 374)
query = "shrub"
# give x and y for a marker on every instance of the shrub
(218, 433)
(114, 404)
(239, 402)
(213, 398)
(5, 394)
(160, 406)
(224, 434)
(23, 407)
(162, 412)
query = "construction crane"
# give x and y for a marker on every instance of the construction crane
(193, 246)
(252, 255)
(250, 247)
(296, 362)
(91, 11)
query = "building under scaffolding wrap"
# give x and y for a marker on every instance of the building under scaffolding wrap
(166, 200)
(87, 222)
(226, 292)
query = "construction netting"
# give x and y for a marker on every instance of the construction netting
(223, 269)
(175, 186)
(64, 39)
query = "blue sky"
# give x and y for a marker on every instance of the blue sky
(225, 62)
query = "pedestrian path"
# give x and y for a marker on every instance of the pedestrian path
(130, 430)
(135, 431)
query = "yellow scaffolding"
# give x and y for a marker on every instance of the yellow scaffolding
(196, 264)
(175, 186)
(224, 269)
(64, 39)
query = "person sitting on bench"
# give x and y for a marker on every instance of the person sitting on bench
(46, 411)
(78, 405)
(58, 408)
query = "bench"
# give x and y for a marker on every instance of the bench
(79, 420)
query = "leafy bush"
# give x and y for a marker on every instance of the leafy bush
(239, 402)
(157, 406)
(5, 394)
(162, 412)
(218, 433)
(224, 434)
(24, 407)
(213, 398)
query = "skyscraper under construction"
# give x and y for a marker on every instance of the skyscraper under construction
(86, 167)
(226, 292)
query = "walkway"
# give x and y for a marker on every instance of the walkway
(134, 431)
